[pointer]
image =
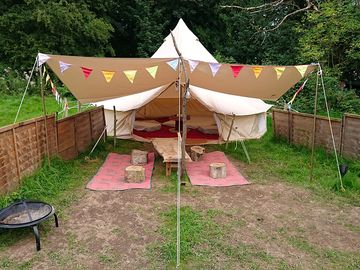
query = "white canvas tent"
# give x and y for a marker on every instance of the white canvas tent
(146, 87)
(206, 108)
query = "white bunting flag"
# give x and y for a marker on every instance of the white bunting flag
(42, 58)
(214, 68)
(173, 64)
(193, 64)
(47, 79)
(63, 66)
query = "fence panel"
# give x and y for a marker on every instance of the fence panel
(351, 136)
(23, 145)
(298, 129)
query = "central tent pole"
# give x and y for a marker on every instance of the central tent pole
(183, 89)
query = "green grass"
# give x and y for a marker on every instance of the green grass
(275, 159)
(205, 244)
(32, 107)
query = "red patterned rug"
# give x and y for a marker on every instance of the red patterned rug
(199, 172)
(111, 175)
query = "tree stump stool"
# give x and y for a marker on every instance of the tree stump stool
(135, 174)
(217, 170)
(196, 152)
(138, 157)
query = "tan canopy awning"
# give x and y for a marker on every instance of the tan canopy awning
(135, 75)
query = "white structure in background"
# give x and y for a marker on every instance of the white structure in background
(249, 114)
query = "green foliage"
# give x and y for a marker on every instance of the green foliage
(339, 100)
(332, 37)
(58, 27)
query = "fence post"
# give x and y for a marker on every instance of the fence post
(16, 154)
(290, 126)
(104, 122)
(273, 123)
(342, 133)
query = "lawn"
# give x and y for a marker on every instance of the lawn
(281, 221)
(32, 107)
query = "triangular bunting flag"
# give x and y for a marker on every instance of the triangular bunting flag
(214, 68)
(193, 64)
(47, 79)
(257, 71)
(173, 63)
(302, 69)
(130, 74)
(86, 71)
(42, 58)
(108, 75)
(236, 70)
(279, 71)
(152, 71)
(63, 66)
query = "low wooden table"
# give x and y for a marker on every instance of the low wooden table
(168, 149)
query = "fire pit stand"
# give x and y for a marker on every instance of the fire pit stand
(27, 214)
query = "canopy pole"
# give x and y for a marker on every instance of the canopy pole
(44, 111)
(245, 150)
(314, 127)
(231, 126)
(184, 104)
(26, 88)
(181, 172)
(331, 130)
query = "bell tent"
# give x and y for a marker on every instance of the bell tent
(223, 100)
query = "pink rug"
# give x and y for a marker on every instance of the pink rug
(199, 172)
(111, 174)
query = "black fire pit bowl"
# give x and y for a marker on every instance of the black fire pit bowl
(27, 214)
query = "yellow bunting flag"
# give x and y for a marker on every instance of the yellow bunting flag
(152, 71)
(302, 69)
(108, 75)
(257, 71)
(130, 74)
(279, 71)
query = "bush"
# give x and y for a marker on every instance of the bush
(339, 100)
(14, 82)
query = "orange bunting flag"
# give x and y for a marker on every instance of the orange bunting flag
(279, 71)
(152, 71)
(236, 70)
(302, 69)
(108, 75)
(86, 71)
(257, 71)
(130, 74)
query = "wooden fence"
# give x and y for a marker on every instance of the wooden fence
(23, 145)
(298, 128)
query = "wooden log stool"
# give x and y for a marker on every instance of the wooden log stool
(135, 174)
(197, 152)
(138, 157)
(217, 170)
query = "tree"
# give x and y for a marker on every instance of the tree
(332, 37)
(62, 27)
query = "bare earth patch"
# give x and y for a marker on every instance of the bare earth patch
(113, 230)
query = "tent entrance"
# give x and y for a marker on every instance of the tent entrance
(157, 119)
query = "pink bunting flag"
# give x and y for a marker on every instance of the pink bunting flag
(214, 68)
(236, 70)
(63, 66)
(192, 64)
(86, 71)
